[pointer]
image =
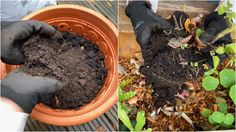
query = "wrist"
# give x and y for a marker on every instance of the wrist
(8, 104)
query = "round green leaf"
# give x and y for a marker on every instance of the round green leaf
(223, 107)
(220, 50)
(218, 117)
(227, 78)
(206, 112)
(210, 83)
(211, 120)
(229, 119)
(230, 49)
(232, 93)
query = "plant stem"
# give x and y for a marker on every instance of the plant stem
(223, 33)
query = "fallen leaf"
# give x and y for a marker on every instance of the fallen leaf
(133, 100)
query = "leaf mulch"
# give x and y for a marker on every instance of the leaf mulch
(185, 115)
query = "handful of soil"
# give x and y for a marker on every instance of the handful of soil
(167, 68)
(72, 59)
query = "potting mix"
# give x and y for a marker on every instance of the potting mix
(71, 59)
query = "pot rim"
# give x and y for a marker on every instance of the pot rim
(74, 117)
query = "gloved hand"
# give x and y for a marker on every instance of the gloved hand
(213, 24)
(26, 90)
(180, 20)
(14, 33)
(144, 20)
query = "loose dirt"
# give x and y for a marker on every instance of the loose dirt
(72, 59)
(167, 68)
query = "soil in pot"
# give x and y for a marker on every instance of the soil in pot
(167, 68)
(72, 59)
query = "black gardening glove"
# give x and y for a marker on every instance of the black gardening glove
(26, 90)
(180, 20)
(213, 25)
(144, 20)
(14, 33)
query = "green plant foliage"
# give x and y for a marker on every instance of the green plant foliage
(124, 96)
(232, 93)
(124, 83)
(148, 130)
(211, 120)
(227, 77)
(199, 32)
(126, 108)
(230, 14)
(220, 50)
(140, 119)
(229, 119)
(217, 117)
(210, 83)
(210, 72)
(221, 9)
(194, 64)
(216, 61)
(184, 46)
(124, 118)
(223, 107)
(230, 49)
(206, 112)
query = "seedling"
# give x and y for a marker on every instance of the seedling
(199, 32)
(123, 110)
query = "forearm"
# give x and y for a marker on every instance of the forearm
(12, 116)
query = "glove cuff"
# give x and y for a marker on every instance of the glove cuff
(25, 102)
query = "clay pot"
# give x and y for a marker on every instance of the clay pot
(98, 29)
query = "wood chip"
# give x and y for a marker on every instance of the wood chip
(133, 100)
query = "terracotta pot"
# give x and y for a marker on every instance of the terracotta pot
(98, 29)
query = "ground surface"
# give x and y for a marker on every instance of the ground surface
(184, 115)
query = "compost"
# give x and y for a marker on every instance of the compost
(167, 68)
(70, 58)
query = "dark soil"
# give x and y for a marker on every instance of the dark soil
(167, 68)
(75, 61)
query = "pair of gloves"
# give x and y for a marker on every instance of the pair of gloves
(23, 89)
(144, 20)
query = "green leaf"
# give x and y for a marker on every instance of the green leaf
(148, 130)
(232, 93)
(229, 119)
(127, 95)
(206, 112)
(218, 117)
(140, 119)
(125, 119)
(229, 4)
(209, 72)
(230, 49)
(216, 61)
(184, 46)
(227, 77)
(126, 82)
(126, 109)
(210, 83)
(211, 120)
(221, 9)
(223, 107)
(198, 32)
(220, 50)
